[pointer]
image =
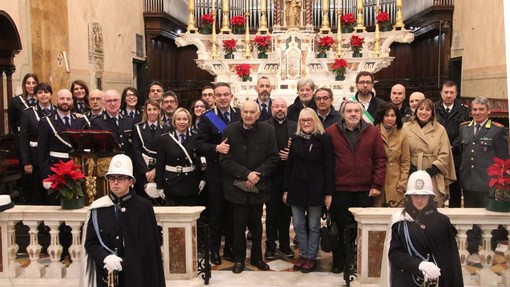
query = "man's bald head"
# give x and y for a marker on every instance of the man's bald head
(414, 99)
(250, 113)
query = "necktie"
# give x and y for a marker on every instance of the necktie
(80, 106)
(263, 112)
(115, 121)
(47, 112)
(477, 128)
(132, 115)
(447, 110)
(153, 129)
(226, 116)
(32, 102)
(66, 122)
(183, 138)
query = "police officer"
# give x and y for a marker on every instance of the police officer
(481, 140)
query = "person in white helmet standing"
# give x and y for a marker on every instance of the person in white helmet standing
(121, 238)
(420, 243)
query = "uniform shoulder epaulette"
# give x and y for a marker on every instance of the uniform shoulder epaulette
(498, 125)
(164, 134)
(27, 108)
(465, 123)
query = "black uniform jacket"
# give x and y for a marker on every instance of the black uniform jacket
(16, 108)
(146, 144)
(28, 133)
(451, 122)
(121, 133)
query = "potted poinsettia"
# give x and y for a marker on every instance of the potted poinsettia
(339, 68)
(348, 21)
(206, 22)
(67, 180)
(244, 71)
(262, 44)
(499, 186)
(229, 47)
(384, 21)
(356, 45)
(238, 23)
(324, 45)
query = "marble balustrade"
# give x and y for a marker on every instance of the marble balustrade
(179, 249)
(373, 223)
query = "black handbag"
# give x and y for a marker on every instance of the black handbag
(329, 235)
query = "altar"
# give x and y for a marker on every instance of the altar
(293, 52)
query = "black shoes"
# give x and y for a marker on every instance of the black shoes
(287, 252)
(269, 254)
(215, 258)
(238, 267)
(260, 265)
(337, 269)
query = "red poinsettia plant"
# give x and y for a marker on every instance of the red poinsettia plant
(339, 68)
(383, 19)
(348, 20)
(499, 183)
(262, 43)
(229, 46)
(207, 20)
(356, 43)
(325, 43)
(67, 179)
(238, 20)
(243, 71)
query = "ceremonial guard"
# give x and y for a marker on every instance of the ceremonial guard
(21, 102)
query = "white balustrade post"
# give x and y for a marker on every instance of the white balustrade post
(505, 277)
(75, 250)
(55, 269)
(35, 269)
(485, 276)
(462, 230)
(12, 250)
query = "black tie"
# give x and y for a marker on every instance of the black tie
(226, 116)
(183, 138)
(115, 121)
(477, 128)
(263, 113)
(153, 129)
(80, 106)
(47, 112)
(32, 102)
(66, 121)
(132, 115)
(447, 110)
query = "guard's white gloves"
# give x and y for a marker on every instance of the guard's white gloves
(201, 186)
(112, 262)
(430, 270)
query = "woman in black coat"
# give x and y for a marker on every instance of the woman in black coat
(310, 177)
(178, 170)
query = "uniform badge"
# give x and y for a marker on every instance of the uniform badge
(117, 163)
(419, 184)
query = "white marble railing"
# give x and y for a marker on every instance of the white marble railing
(179, 247)
(373, 223)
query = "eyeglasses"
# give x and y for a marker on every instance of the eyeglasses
(319, 99)
(306, 121)
(112, 101)
(222, 95)
(365, 82)
(168, 101)
(119, 178)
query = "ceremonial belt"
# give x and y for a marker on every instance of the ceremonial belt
(149, 160)
(215, 120)
(143, 143)
(179, 169)
(57, 135)
(366, 115)
(33, 144)
(59, 154)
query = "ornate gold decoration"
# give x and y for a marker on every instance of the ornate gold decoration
(360, 27)
(225, 23)
(263, 18)
(325, 29)
(339, 51)
(247, 50)
(191, 17)
(399, 23)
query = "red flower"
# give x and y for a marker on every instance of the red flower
(238, 20)
(66, 179)
(229, 46)
(207, 19)
(383, 18)
(499, 182)
(339, 67)
(348, 20)
(357, 43)
(262, 43)
(243, 70)
(325, 43)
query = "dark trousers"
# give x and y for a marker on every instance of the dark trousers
(278, 216)
(474, 198)
(247, 215)
(220, 216)
(455, 192)
(340, 213)
(32, 188)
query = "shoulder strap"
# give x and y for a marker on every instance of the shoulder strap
(23, 101)
(36, 114)
(96, 228)
(182, 147)
(141, 139)
(56, 134)
(215, 120)
(366, 115)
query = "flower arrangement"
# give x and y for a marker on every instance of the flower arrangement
(348, 20)
(262, 43)
(339, 68)
(325, 43)
(356, 43)
(238, 22)
(243, 71)
(499, 183)
(229, 46)
(383, 19)
(67, 180)
(207, 21)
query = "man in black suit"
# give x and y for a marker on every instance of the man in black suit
(96, 104)
(111, 120)
(169, 104)
(278, 214)
(211, 145)
(53, 147)
(264, 101)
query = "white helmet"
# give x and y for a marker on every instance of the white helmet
(152, 190)
(420, 183)
(121, 164)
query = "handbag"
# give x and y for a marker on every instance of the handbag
(329, 234)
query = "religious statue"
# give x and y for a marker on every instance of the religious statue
(293, 13)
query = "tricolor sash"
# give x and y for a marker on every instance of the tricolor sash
(215, 120)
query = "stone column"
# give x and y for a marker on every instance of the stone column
(35, 269)
(55, 269)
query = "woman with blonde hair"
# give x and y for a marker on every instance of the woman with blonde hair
(431, 150)
(309, 182)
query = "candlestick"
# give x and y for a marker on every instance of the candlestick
(191, 17)
(213, 4)
(339, 52)
(263, 5)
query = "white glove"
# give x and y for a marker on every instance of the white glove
(112, 262)
(201, 186)
(430, 270)
(47, 184)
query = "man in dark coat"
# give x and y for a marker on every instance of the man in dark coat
(278, 213)
(211, 145)
(264, 101)
(122, 239)
(450, 113)
(365, 96)
(481, 140)
(305, 90)
(247, 168)
(360, 169)
(325, 110)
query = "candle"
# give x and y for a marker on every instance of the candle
(225, 5)
(191, 5)
(263, 5)
(360, 4)
(325, 4)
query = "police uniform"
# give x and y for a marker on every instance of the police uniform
(137, 115)
(121, 133)
(478, 152)
(16, 108)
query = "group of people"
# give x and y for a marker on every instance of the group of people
(294, 159)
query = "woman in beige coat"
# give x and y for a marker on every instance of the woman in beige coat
(389, 123)
(430, 149)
